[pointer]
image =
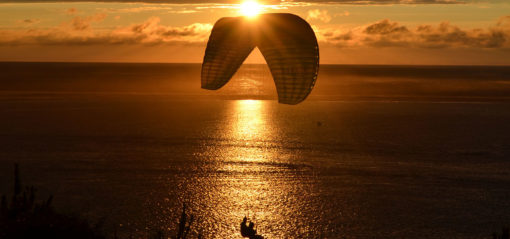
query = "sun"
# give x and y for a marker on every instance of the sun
(250, 8)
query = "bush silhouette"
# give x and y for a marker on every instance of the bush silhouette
(25, 217)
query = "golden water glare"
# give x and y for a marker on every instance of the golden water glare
(249, 186)
(249, 127)
(252, 172)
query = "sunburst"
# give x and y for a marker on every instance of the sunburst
(250, 8)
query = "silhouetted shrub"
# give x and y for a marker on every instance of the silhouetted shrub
(25, 217)
(505, 234)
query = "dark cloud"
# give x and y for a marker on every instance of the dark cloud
(83, 23)
(153, 31)
(385, 27)
(446, 35)
(386, 33)
(80, 32)
(29, 21)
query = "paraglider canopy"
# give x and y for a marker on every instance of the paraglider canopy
(286, 41)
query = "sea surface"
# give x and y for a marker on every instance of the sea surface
(374, 152)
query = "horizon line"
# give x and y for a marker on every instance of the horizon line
(198, 63)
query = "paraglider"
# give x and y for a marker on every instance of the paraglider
(249, 231)
(286, 41)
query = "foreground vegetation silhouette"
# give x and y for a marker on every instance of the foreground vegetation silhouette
(24, 217)
(505, 234)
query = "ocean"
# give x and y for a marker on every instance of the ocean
(374, 152)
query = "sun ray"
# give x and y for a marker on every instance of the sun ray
(250, 8)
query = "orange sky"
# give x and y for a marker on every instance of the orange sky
(349, 32)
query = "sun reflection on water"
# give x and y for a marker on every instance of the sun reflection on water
(247, 171)
(248, 189)
(249, 128)
(249, 124)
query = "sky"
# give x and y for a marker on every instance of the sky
(411, 32)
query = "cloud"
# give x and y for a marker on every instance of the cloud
(385, 27)
(71, 11)
(504, 21)
(446, 35)
(344, 14)
(386, 33)
(79, 23)
(183, 11)
(136, 9)
(29, 22)
(80, 32)
(321, 15)
(152, 31)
